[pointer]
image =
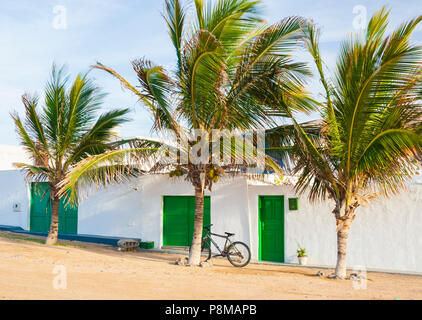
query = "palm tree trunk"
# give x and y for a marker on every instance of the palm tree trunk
(195, 249)
(54, 226)
(342, 236)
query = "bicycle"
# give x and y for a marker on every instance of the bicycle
(238, 253)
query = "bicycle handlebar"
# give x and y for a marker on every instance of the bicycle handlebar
(208, 227)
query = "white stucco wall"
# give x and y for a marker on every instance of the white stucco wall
(385, 235)
(113, 211)
(135, 209)
(12, 154)
(13, 189)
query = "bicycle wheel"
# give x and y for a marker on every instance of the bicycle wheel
(205, 251)
(238, 254)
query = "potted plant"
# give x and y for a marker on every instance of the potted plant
(301, 255)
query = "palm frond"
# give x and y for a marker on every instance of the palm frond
(231, 20)
(84, 101)
(156, 87)
(29, 145)
(268, 56)
(34, 173)
(371, 138)
(109, 167)
(312, 34)
(201, 78)
(55, 106)
(175, 19)
(34, 124)
(126, 84)
(199, 8)
(97, 139)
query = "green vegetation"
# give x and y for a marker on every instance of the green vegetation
(233, 72)
(64, 132)
(11, 236)
(370, 138)
(301, 252)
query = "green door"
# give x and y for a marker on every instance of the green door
(68, 218)
(41, 211)
(271, 228)
(178, 219)
(40, 208)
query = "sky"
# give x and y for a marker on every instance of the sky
(78, 33)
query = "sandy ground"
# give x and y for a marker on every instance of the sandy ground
(100, 272)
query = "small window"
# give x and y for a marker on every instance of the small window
(293, 204)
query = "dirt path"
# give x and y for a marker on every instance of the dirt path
(98, 272)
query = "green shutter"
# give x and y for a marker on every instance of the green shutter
(293, 204)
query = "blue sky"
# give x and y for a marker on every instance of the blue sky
(116, 32)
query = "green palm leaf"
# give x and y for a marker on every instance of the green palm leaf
(64, 132)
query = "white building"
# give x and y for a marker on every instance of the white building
(385, 235)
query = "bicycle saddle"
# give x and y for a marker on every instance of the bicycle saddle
(230, 234)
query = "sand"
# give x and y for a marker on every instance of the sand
(101, 272)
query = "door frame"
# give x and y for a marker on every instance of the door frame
(260, 226)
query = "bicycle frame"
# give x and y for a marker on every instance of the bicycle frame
(223, 253)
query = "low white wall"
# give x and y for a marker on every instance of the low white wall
(14, 189)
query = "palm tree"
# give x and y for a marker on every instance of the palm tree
(227, 63)
(65, 131)
(371, 128)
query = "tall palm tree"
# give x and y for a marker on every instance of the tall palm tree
(371, 128)
(227, 62)
(65, 131)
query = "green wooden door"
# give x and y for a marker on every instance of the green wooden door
(271, 228)
(40, 209)
(178, 219)
(68, 218)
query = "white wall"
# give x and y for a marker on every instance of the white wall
(14, 189)
(10, 155)
(122, 211)
(385, 235)
(113, 211)
(310, 226)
